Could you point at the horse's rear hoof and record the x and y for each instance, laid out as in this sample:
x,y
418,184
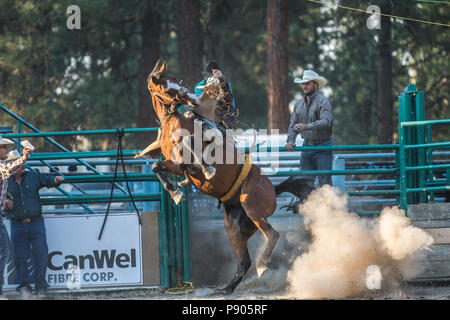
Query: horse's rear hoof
x,y
261,270
223,292
176,196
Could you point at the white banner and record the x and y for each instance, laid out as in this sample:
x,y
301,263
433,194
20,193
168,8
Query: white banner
x,y
77,259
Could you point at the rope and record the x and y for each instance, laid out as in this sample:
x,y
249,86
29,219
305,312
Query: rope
x,y
119,134
185,289
432,1
330,4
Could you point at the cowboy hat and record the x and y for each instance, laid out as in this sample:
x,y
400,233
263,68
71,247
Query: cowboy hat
x,y
209,68
4,141
13,155
309,75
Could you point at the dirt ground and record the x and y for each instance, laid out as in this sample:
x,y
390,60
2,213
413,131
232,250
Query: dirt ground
x,y
252,289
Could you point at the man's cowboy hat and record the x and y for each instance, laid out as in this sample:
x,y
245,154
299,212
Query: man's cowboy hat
x,y
309,75
13,155
207,72
4,141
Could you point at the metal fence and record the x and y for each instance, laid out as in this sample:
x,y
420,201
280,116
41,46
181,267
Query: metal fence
x,y
410,176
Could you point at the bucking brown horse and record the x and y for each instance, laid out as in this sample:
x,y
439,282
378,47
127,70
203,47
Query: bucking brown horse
x,y
247,194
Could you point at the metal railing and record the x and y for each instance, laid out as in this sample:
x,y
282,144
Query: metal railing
x,y
173,220
423,184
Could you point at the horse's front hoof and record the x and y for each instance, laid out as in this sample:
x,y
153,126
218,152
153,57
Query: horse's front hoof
x,y
176,196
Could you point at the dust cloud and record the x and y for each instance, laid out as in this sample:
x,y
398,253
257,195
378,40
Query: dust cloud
x,y
345,248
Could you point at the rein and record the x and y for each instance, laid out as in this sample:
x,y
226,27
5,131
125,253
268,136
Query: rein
x,y
165,99
171,112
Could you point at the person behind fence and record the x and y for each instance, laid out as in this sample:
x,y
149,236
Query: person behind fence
x,y
7,168
313,119
28,234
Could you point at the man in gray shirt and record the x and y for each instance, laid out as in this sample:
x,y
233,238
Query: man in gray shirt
x,y
313,118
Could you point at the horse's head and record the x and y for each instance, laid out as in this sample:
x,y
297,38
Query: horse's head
x,y
164,88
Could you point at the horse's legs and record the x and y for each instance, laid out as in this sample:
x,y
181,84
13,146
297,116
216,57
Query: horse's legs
x,y
239,229
259,201
271,236
169,167
208,170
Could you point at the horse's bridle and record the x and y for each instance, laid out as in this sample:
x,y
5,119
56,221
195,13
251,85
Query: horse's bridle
x,y
165,99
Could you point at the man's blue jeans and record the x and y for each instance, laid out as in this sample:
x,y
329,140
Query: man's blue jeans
x,y
30,237
4,250
318,160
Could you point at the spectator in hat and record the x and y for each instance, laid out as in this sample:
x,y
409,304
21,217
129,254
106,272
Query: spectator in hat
x,y
28,234
313,119
7,169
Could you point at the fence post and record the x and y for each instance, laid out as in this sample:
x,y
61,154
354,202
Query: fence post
x,y
405,114
402,168
430,160
163,245
338,180
177,240
150,187
185,237
167,240
405,157
421,153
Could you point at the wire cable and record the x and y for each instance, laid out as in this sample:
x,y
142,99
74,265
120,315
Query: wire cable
x,y
330,4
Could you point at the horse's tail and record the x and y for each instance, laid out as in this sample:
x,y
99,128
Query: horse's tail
x,y
296,185
301,187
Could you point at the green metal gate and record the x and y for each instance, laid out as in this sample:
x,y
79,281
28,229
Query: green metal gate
x,y
414,172
415,159
173,221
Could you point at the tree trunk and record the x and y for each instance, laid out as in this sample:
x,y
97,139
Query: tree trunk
x,y
189,43
150,53
209,48
385,100
277,65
